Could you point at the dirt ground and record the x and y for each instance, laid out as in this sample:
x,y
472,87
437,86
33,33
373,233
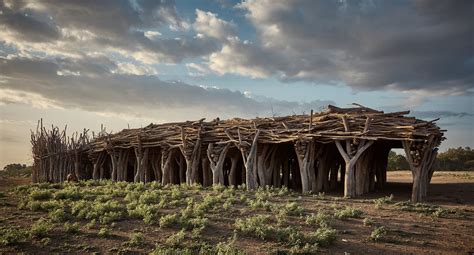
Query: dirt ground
x,y
408,231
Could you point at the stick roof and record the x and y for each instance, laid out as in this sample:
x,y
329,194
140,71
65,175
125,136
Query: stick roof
x,y
332,124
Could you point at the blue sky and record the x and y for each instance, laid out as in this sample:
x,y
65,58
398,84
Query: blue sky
x,y
131,62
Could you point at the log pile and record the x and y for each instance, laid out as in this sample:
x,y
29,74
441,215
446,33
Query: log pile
x,y
305,152
55,155
326,127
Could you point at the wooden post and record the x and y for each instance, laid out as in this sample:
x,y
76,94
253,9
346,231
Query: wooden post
x,y
266,162
234,160
97,164
305,152
420,157
349,182
216,161
179,176
206,177
286,172
249,158
192,156
167,155
156,165
324,166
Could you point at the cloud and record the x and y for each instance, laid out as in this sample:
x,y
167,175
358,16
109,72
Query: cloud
x,y
368,45
36,81
209,24
416,45
440,114
11,96
123,28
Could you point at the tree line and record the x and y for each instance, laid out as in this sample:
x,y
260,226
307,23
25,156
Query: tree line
x,y
454,159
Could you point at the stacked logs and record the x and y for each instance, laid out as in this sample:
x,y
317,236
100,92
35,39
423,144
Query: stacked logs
x,y
56,155
333,124
305,152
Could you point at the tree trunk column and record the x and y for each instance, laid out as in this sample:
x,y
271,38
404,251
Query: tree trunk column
x,y
216,155
266,162
167,155
249,157
234,160
305,152
191,152
420,157
350,157
206,172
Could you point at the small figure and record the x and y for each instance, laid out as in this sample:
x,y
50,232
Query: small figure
x,y
71,177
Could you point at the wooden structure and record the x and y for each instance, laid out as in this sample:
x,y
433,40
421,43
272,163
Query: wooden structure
x,y
311,153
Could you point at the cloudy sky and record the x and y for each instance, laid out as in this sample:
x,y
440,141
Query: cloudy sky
x,y
131,62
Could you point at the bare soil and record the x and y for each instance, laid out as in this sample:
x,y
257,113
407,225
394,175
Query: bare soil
x,y
408,232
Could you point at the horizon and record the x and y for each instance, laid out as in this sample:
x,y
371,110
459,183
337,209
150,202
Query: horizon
x,y
130,63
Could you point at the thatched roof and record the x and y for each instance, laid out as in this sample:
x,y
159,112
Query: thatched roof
x,y
325,127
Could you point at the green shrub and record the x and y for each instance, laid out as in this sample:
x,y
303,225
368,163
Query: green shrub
x,y
51,205
71,228
426,209
105,213
289,235
143,211
45,241
105,232
320,219
348,212
163,250
177,193
208,203
378,233
383,200
226,206
368,222
324,236
260,203
40,195
441,212
169,220
149,197
136,239
72,193
176,239
35,206
9,236
306,249
254,225
293,208
225,248
281,216
198,222
58,215
41,228
91,224
132,196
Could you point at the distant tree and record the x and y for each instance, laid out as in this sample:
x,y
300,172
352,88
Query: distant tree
x,y
14,167
397,162
455,159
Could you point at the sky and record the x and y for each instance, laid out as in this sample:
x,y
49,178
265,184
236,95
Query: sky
x,y
129,63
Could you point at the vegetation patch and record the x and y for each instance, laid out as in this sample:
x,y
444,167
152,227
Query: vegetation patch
x,y
10,235
347,212
426,209
378,233
41,228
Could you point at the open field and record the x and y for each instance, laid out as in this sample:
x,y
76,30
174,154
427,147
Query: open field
x,y
123,217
